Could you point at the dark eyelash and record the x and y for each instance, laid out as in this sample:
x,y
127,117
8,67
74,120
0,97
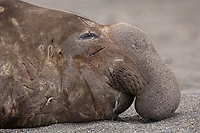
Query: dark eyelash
x,y
88,35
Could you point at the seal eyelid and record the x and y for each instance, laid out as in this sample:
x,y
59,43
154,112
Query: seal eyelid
x,y
88,35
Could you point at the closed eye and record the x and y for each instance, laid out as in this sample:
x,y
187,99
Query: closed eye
x,y
88,35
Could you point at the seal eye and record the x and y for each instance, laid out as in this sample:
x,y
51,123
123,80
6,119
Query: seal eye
x,y
88,35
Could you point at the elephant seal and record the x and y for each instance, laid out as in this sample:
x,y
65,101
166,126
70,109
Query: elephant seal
x,y
59,67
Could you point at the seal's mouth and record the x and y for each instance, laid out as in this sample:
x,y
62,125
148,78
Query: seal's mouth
x,y
93,52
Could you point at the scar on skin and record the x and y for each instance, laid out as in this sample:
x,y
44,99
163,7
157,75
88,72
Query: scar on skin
x,y
49,100
116,102
14,21
2,8
118,60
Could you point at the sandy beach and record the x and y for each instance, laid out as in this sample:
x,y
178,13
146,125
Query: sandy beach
x,y
174,27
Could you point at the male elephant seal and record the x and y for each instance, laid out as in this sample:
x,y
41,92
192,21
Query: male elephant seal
x,y
60,67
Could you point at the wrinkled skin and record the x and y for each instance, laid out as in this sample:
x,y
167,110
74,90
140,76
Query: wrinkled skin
x,y
59,67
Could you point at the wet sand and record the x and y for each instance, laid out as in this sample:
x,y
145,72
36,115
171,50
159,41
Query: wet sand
x,y
174,27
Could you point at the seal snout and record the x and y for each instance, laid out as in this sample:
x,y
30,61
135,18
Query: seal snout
x,y
160,95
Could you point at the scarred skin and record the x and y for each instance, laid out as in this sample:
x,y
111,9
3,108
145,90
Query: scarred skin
x,y
59,67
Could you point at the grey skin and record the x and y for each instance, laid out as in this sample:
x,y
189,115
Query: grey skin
x,y
59,67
